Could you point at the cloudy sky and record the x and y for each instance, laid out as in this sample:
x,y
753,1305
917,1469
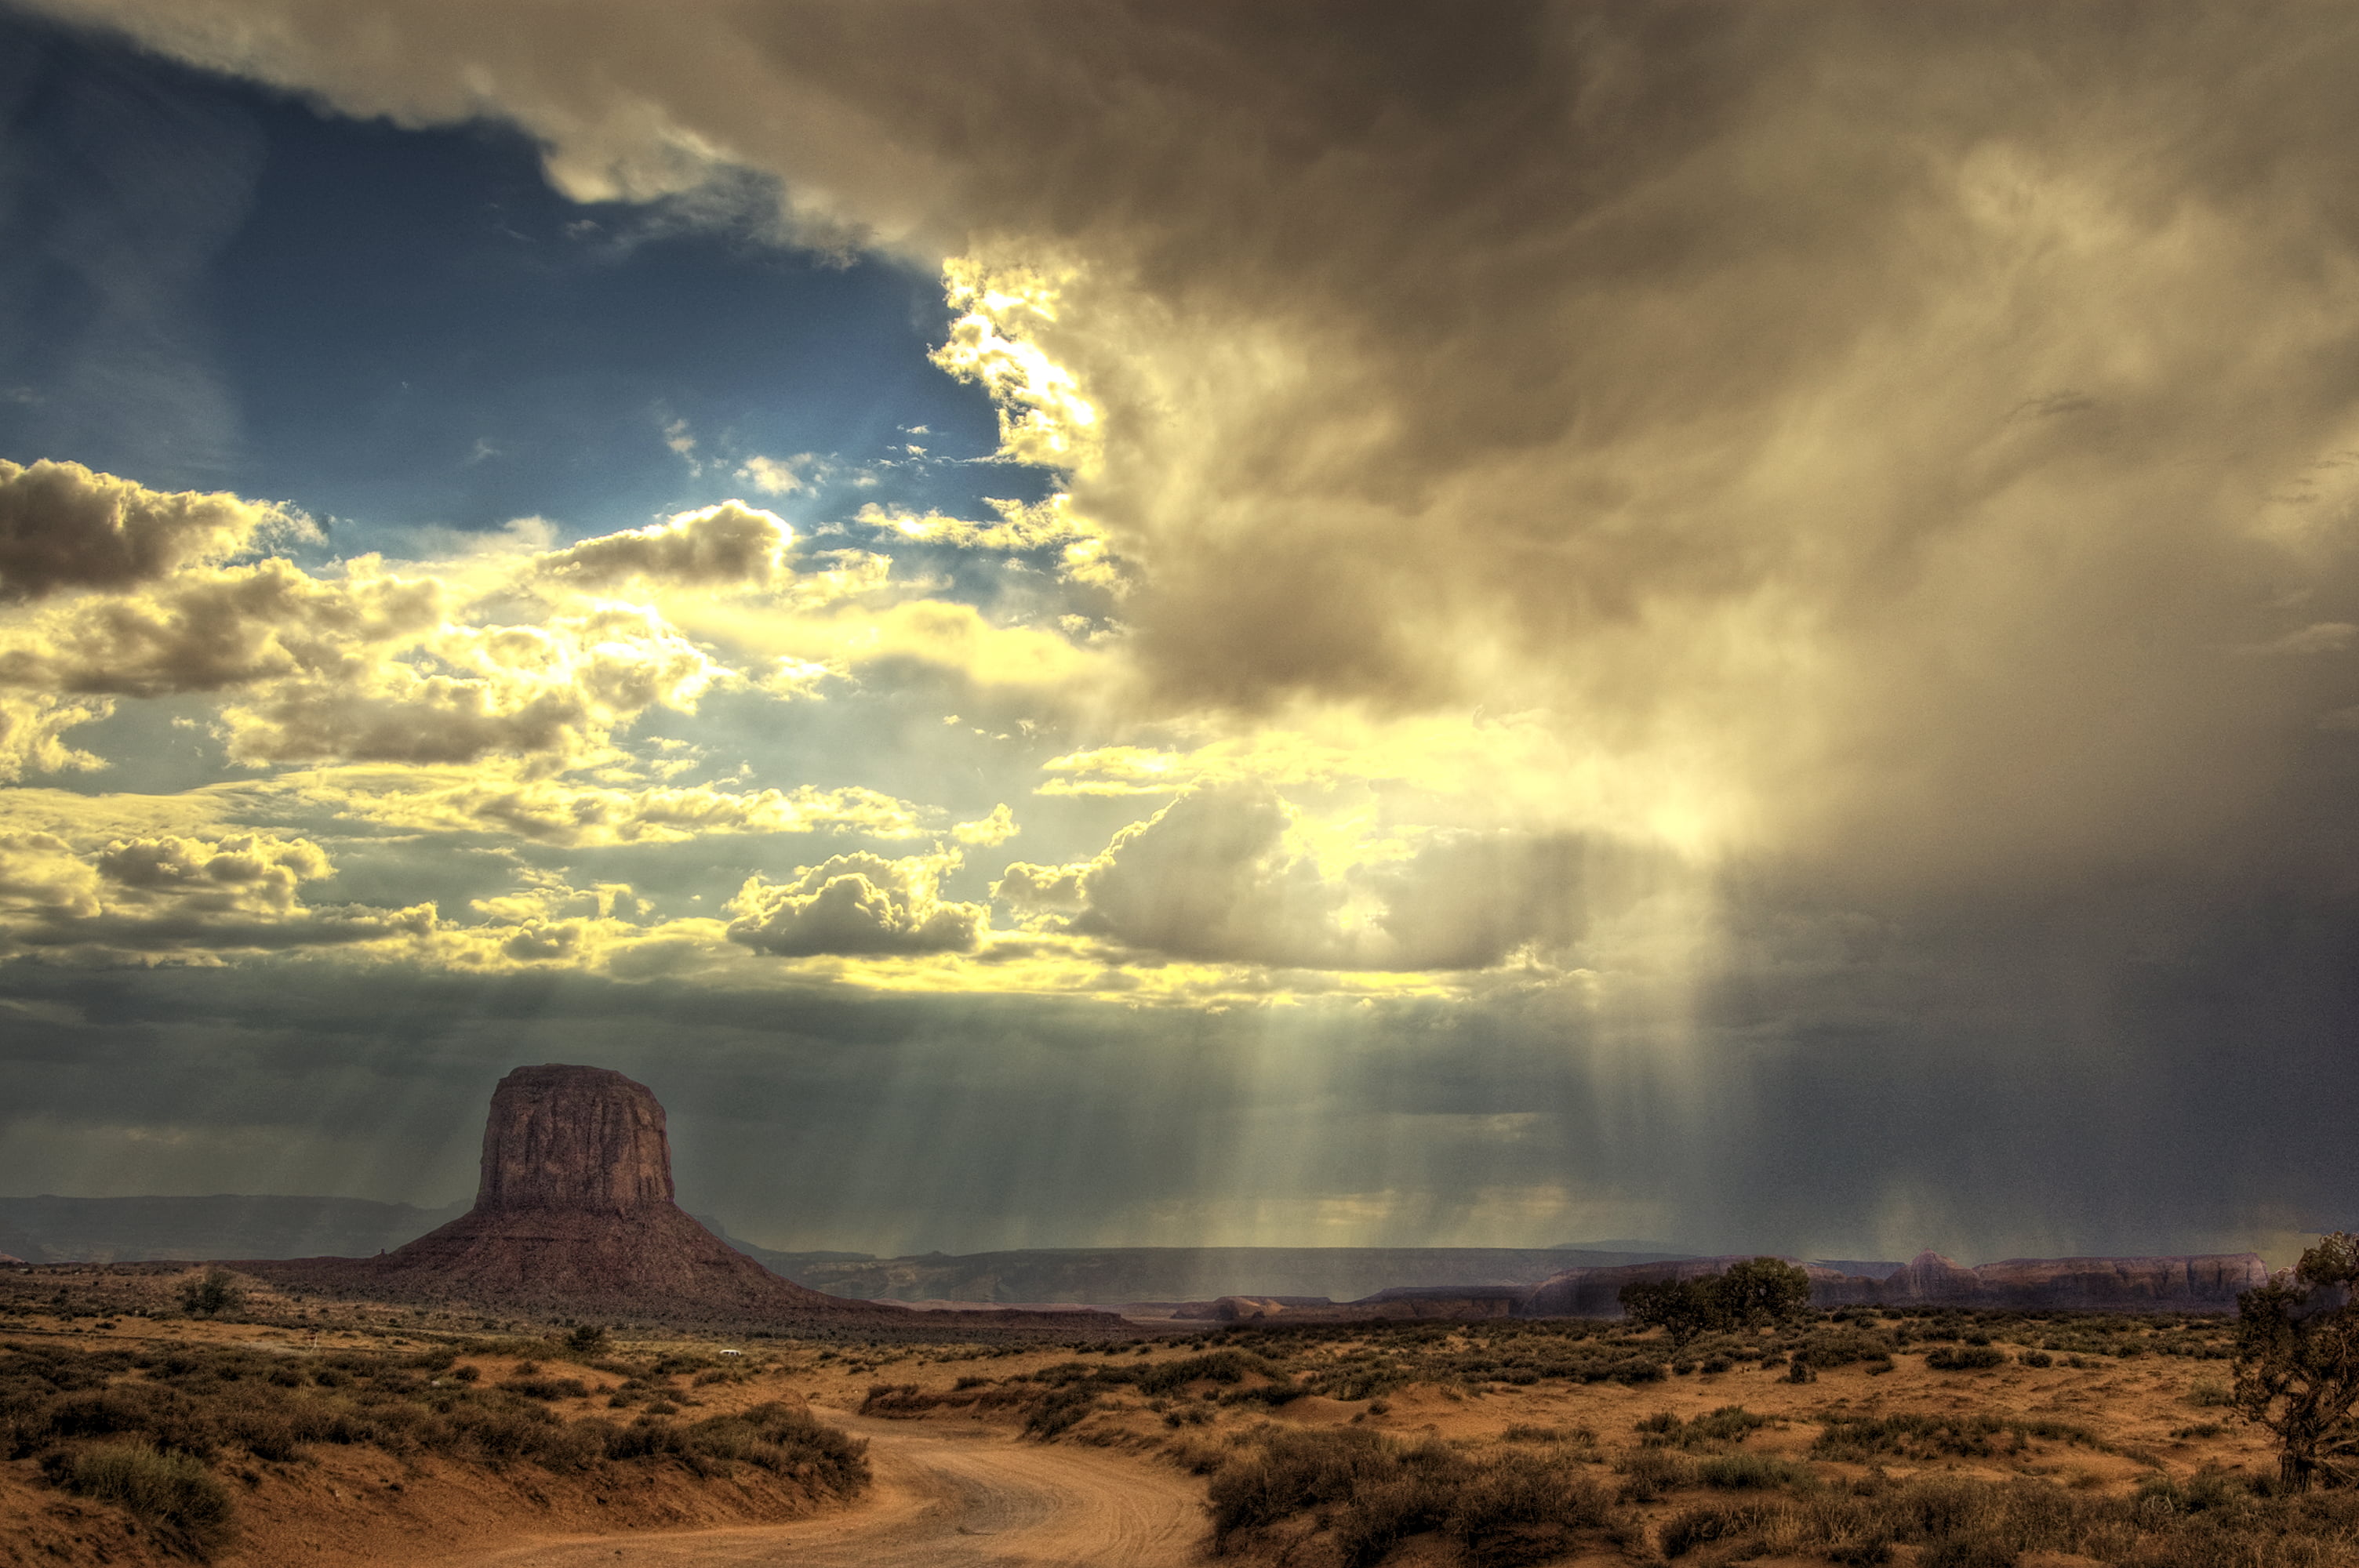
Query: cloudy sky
x,y
1119,623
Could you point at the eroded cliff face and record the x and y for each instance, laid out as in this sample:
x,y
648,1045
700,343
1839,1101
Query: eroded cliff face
x,y
582,1139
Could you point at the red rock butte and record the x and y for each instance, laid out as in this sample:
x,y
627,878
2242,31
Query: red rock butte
x,y
574,1216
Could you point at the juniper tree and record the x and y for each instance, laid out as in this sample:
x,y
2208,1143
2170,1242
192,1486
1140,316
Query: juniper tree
x,y
1680,1308
1760,1290
1764,1291
2298,1364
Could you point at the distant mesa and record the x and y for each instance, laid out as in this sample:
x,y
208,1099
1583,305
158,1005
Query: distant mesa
x,y
575,1214
2206,1284
1161,1277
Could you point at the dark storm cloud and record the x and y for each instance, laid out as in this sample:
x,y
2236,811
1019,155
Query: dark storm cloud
x,y
62,527
1220,874
1900,414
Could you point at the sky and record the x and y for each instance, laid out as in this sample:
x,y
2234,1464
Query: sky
x,y
1123,624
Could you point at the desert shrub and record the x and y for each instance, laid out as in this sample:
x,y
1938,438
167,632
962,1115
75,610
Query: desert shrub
x,y
1058,1412
646,1438
1844,1346
2036,1358
1170,1376
1740,1472
1517,1507
212,1293
497,1436
1728,1424
1965,1359
777,1437
165,1416
1969,1551
572,1445
1291,1471
2206,1491
1684,1531
589,1339
1648,1473
1523,1432
171,1493
2206,1523
2211,1393
1504,1509
898,1400
547,1387
1863,1438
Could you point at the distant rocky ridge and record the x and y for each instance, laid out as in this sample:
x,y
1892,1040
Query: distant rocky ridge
x,y
138,1229
2206,1284
575,1214
1121,1275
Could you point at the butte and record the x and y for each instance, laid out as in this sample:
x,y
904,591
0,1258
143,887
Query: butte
x,y
574,1216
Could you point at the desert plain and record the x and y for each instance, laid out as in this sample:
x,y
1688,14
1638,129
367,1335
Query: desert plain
x,y
346,1433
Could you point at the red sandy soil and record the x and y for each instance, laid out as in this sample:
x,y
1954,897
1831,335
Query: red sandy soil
x,y
957,1486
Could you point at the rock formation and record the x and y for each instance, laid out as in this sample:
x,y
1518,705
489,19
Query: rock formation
x,y
2209,1282
574,1216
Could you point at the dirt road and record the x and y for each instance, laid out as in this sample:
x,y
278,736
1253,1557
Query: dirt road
x,y
943,1499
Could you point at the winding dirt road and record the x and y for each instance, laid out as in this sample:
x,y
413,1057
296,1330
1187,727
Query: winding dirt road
x,y
943,1499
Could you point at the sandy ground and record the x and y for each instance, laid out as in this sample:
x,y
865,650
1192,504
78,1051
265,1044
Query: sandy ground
x,y
945,1495
961,1486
